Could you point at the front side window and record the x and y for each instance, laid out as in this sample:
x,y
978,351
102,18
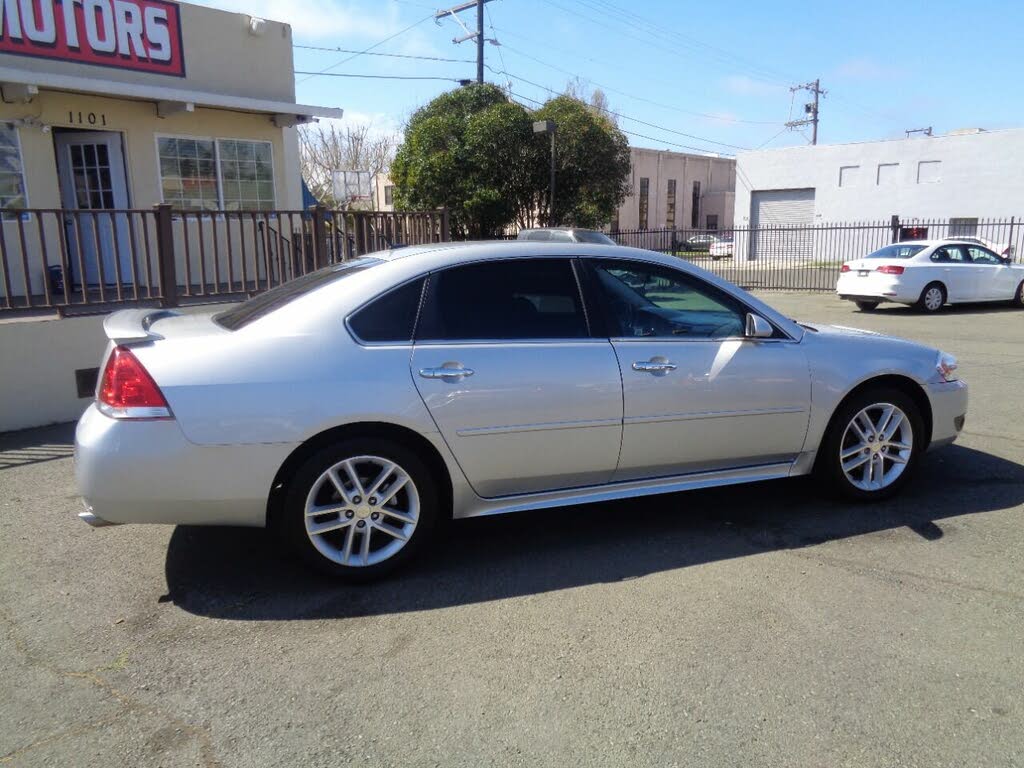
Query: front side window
x,y
12,173
648,300
221,174
494,300
390,317
983,255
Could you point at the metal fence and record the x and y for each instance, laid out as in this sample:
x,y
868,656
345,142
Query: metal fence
x,y
90,260
808,258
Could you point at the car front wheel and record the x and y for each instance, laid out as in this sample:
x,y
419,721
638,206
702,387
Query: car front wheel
x,y
872,445
1018,297
359,509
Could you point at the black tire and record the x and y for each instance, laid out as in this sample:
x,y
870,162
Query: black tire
x,y
867,306
293,517
829,467
1018,297
925,302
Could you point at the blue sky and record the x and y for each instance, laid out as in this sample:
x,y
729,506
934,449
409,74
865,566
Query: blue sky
x,y
716,72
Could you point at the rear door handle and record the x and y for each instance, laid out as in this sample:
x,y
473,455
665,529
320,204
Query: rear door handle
x,y
447,373
653,366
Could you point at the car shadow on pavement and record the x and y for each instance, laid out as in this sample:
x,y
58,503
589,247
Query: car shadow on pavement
x,y
241,573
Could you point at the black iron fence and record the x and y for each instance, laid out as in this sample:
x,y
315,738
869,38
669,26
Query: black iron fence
x,y
808,258
90,260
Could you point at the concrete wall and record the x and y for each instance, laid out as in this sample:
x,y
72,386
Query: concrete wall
x,y
715,174
978,176
39,359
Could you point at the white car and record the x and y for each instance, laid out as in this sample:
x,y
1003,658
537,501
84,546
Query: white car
x,y
720,249
929,274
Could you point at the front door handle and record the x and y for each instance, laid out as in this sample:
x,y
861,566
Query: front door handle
x,y
653,366
446,372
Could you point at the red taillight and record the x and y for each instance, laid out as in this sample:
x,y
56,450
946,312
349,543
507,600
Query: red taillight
x,y
844,268
890,269
127,391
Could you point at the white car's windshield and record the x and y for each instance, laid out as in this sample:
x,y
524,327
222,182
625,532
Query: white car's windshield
x,y
897,251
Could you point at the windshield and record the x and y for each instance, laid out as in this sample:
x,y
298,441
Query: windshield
x,y
897,251
249,311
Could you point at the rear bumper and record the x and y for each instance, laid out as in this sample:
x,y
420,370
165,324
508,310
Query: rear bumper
x,y
949,410
148,472
874,287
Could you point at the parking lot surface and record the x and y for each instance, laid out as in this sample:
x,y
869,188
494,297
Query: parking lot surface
x,y
760,625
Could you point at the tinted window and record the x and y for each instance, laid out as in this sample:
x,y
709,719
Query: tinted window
x,y
896,251
249,311
983,256
390,317
650,300
951,254
515,299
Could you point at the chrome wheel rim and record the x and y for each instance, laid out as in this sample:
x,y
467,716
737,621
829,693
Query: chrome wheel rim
x,y
876,447
362,511
933,298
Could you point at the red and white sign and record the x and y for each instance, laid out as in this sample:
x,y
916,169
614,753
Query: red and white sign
x,y
141,35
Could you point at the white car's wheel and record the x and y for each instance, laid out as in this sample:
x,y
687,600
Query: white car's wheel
x,y
933,298
867,306
360,508
872,444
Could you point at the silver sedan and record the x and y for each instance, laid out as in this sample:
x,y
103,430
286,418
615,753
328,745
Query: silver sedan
x,y
354,408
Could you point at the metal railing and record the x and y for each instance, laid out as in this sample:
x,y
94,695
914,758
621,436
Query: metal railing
x,y
808,258
88,260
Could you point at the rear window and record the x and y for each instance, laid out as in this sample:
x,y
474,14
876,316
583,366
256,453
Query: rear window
x,y
249,311
586,236
896,251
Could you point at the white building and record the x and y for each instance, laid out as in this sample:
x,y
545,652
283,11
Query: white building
x,y
956,179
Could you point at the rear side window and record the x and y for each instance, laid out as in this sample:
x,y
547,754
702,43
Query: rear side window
x,y
390,317
259,306
514,299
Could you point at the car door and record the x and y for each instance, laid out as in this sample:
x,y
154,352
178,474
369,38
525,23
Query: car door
x,y
952,266
996,279
526,399
697,394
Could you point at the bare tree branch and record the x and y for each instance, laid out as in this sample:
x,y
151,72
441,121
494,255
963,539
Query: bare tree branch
x,y
325,148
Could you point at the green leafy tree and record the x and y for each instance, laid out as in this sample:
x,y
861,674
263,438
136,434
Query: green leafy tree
x,y
474,152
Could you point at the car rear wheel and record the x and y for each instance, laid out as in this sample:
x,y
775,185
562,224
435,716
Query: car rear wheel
x,y
933,298
359,509
872,445
867,306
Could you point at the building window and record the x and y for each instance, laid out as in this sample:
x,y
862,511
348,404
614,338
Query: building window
x,y
963,227
929,171
695,209
389,194
246,175
207,175
712,221
645,187
887,174
615,222
849,175
188,173
670,205
12,173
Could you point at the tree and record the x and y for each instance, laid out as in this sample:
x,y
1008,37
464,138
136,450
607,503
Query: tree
x,y
325,148
596,99
474,152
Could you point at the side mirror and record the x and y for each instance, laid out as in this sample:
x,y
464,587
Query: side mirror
x,y
757,327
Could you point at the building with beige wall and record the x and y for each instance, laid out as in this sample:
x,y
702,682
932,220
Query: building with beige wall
x,y
127,104
675,190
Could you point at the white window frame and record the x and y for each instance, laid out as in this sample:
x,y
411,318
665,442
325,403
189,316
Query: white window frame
x,y
9,214
217,165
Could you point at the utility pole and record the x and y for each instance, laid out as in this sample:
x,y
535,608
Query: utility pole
x,y
810,109
478,35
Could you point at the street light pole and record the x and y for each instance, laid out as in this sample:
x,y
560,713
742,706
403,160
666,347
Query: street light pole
x,y
548,126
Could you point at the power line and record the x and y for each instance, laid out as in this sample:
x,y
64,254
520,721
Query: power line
x,y
368,49
381,53
381,77
626,117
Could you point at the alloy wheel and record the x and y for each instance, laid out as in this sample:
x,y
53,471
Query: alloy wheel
x,y
876,447
361,511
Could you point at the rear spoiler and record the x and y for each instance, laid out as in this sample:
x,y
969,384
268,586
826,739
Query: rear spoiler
x,y
129,325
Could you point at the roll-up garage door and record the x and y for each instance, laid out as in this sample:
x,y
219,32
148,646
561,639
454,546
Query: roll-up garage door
x,y
780,218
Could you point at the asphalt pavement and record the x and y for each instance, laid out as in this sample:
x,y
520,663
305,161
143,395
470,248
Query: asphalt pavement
x,y
762,625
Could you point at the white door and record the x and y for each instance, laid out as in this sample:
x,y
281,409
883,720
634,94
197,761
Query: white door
x,y
697,395
997,280
90,167
951,265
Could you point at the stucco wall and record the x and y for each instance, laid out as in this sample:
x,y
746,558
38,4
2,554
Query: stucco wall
x,y
39,359
978,177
